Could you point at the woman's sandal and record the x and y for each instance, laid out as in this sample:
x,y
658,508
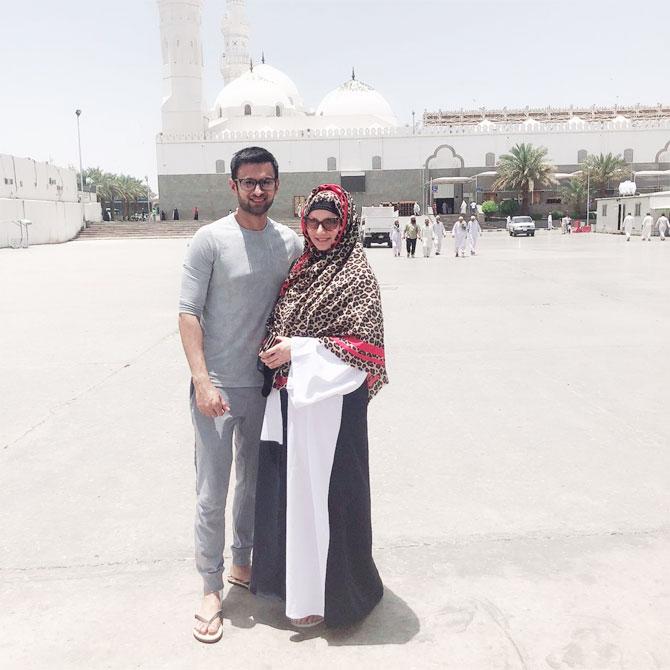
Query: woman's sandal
x,y
298,622
209,638
238,582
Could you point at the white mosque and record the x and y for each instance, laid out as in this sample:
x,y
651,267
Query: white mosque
x,y
354,138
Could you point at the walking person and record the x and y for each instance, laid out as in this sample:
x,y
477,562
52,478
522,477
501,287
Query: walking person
x,y
175,214
550,222
410,234
396,237
196,214
474,230
564,225
662,224
324,361
628,226
647,225
438,235
232,273
426,235
460,234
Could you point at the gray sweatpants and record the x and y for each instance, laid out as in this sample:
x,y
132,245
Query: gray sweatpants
x,y
213,459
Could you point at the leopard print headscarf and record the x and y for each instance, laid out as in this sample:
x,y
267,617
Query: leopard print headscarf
x,y
334,296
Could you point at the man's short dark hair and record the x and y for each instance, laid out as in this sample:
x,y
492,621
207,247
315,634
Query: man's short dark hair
x,y
252,155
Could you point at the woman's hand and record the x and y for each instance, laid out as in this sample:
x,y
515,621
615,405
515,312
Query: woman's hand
x,y
279,354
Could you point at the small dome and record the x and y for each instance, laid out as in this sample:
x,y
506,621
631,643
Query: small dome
x,y
621,120
575,121
354,98
252,89
282,80
486,123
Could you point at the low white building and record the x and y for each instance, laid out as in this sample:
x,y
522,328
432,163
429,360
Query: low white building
x,y
612,211
45,195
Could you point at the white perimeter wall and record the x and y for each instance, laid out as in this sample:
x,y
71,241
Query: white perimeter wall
x,y
46,195
400,149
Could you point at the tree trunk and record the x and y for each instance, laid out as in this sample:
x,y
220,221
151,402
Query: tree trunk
x,y
524,200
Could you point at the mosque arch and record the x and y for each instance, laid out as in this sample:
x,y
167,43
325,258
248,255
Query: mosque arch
x,y
454,156
581,155
628,155
376,162
331,163
663,155
490,159
247,110
220,166
277,110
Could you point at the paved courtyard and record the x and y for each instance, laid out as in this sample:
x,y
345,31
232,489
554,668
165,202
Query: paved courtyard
x,y
520,464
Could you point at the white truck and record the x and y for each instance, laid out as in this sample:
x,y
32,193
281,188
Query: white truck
x,y
376,224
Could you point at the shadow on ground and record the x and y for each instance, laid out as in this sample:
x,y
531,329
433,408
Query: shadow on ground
x,y
391,622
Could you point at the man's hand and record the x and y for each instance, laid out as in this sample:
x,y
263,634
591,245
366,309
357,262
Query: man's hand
x,y
209,400
279,354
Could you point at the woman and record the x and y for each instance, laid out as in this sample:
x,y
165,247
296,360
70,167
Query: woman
x,y
324,356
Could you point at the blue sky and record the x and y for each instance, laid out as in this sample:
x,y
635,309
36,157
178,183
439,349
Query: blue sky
x,y
104,57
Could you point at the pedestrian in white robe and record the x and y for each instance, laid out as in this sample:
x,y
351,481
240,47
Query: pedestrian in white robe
x,y
464,207
426,235
417,209
550,222
438,234
628,226
396,237
474,229
647,224
564,225
509,222
662,224
460,234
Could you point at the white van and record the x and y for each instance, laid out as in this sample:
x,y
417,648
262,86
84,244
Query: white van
x,y
376,224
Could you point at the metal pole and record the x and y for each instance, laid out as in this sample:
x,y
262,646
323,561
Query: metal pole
x,y
148,198
81,169
588,188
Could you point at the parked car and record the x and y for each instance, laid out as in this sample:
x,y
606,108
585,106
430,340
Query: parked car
x,y
522,225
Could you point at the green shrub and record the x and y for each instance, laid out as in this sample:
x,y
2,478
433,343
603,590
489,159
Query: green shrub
x,y
557,215
508,207
489,207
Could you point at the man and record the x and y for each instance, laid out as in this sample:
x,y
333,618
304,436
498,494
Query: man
x,y
233,270
647,224
460,234
550,222
474,229
628,226
410,234
426,237
663,224
438,234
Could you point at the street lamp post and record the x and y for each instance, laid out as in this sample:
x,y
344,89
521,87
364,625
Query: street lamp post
x,y
146,177
81,169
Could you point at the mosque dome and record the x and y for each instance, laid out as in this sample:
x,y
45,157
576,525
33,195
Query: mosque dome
x,y
356,99
283,81
252,94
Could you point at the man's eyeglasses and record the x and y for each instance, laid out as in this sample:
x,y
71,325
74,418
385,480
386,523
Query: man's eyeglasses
x,y
249,184
327,224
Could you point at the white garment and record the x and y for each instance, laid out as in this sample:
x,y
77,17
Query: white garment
x,y
417,209
647,224
426,239
550,222
628,225
396,237
460,234
317,381
663,224
474,229
438,234
464,207
509,222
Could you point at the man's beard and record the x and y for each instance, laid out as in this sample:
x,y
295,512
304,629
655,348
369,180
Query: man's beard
x,y
256,210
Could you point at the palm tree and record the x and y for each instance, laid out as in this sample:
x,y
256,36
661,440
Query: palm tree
x,y
602,169
574,195
522,169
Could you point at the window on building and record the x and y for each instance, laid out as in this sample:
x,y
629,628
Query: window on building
x,y
536,198
581,155
604,210
247,110
220,166
628,155
553,201
638,209
353,183
277,110
220,112
490,160
331,163
376,162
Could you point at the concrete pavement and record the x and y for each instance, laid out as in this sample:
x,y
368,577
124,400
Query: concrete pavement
x,y
519,462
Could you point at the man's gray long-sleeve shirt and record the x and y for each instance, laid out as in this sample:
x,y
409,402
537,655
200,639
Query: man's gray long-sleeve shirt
x,y
231,280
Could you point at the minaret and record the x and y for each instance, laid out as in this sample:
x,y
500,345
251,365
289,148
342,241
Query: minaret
x,y
235,29
181,47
